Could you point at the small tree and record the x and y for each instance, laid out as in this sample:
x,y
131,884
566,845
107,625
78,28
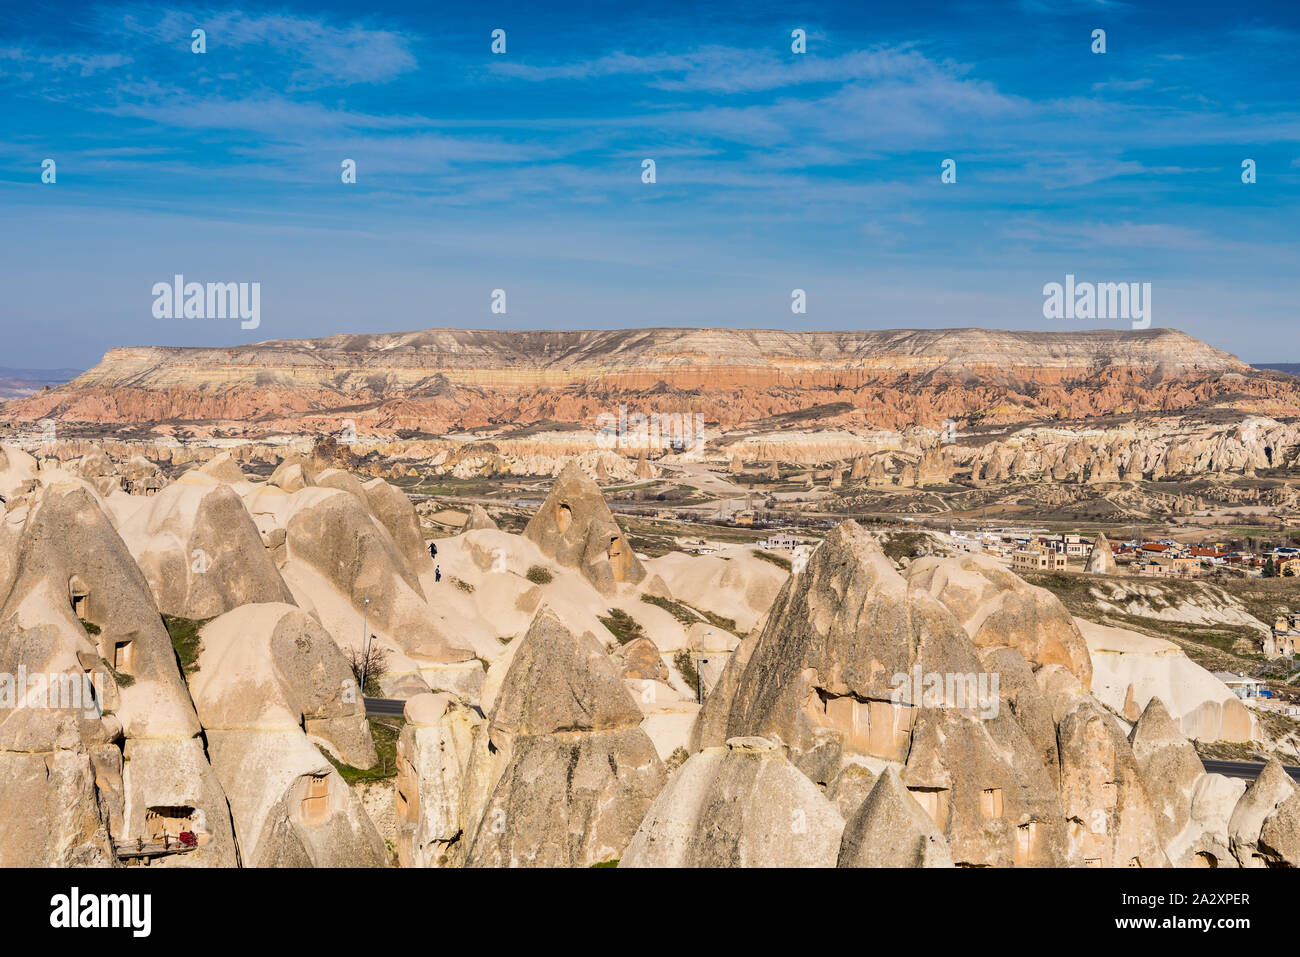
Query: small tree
x,y
373,663
1270,569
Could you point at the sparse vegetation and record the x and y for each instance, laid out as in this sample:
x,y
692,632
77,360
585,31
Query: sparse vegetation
x,y
90,626
373,662
679,611
539,575
777,560
385,732
122,680
622,625
184,633
463,585
676,759
717,621
685,665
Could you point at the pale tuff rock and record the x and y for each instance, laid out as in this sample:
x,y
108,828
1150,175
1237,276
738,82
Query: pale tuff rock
x,y
997,607
432,794
986,789
827,658
850,788
1263,797
333,535
270,683
640,659
68,563
579,773
743,805
1169,766
200,551
1109,819
272,667
1101,560
737,465
890,829
1023,700
1204,842
292,475
1279,838
478,519
396,514
734,583
224,469
575,527
1130,668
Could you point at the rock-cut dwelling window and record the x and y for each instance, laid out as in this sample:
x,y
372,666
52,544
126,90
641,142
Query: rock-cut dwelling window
x,y
316,799
1026,835
991,802
563,518
935,802
123,656
80,598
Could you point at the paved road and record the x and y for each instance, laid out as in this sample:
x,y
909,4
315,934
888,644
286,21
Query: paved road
x,y
384,707
1243,769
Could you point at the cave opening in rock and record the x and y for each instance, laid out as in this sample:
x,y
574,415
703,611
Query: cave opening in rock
x,y
168,821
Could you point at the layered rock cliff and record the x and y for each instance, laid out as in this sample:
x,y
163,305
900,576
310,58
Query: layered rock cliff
x,y
445,379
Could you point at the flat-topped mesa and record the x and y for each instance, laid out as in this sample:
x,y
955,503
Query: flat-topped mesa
x,y
441,379
576,528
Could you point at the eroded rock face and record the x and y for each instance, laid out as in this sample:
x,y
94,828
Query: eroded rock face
x,y
997,607
333,535
986,790
578,772
1169,767
890,829
1263,797
823,674
200,551
742,805
271,685
1279,838
139,766
1109,818
576,528
478,519
433,781
1101,560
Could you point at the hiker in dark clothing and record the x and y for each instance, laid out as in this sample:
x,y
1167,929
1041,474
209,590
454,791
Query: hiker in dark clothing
x,y
433,550
437,573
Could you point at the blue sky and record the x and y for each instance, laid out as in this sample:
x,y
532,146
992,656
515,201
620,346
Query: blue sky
x,y
522,171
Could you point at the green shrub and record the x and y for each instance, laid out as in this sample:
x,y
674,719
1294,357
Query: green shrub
x,y
622,625
676,609
184,633
539,575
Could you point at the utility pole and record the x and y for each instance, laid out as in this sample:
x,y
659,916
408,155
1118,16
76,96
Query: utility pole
x,y
701,661
365,646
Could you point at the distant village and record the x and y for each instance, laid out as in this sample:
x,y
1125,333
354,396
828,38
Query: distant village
x,y
1036,549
